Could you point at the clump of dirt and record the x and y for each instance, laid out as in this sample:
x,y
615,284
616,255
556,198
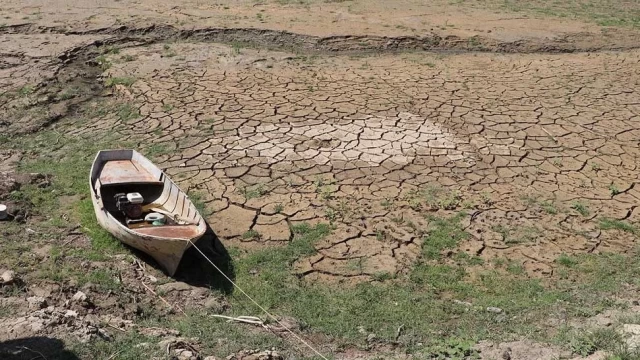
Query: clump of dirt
x,y
18,206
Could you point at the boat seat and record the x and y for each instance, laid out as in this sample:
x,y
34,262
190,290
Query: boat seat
x,y
125,172
170,231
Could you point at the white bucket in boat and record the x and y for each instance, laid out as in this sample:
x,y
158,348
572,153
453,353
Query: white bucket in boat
x,y
3,211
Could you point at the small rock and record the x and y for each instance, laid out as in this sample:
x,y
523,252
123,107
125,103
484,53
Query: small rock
x,y
37,302
183,354
174,286
8,277
633,335
214,305
79,297
463,303
496,310
371,338
152,279
506,355
210,358
70,314
635,302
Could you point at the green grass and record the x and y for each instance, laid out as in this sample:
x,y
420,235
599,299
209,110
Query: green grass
x,y
113,81
602,12
26,90
253,192
613,224
127,112
251,234
433,198
443,234
581,208
155,150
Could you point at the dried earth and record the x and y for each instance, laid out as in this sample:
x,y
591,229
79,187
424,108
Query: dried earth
x,y
276,115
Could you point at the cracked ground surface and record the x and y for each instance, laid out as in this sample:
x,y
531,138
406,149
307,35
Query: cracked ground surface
x,y
536,149
275,114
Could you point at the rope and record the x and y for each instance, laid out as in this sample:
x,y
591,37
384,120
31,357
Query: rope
x,y
258,305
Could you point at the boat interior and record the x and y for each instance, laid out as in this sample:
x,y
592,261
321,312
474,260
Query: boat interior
x,y
144,203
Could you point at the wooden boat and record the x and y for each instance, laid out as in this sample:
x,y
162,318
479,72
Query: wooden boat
x,y
118,175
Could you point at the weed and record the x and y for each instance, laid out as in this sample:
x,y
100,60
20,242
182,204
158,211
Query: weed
x,y
474,41
198,201
613,189
444,234
549,207
278,208
127,112
331,215
382,276
566,260
452,348
586,343
254,192
595,166
609,224
464,258
128,58
113,81
251,234
112,50
167,107
581,208
103,63
515,268
67,94
26,90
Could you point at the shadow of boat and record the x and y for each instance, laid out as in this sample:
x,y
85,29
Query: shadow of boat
x,y
195,270
35,348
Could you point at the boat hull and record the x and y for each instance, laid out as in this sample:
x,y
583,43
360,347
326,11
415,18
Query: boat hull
x,y
165,249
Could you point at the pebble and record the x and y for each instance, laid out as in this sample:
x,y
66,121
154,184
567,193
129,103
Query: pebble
x,y
79,297
37,302
174,286
371,338
8,277
496,310
70,314
463,303
214,305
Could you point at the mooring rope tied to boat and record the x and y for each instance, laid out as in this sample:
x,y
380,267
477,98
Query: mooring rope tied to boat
x,y
258,305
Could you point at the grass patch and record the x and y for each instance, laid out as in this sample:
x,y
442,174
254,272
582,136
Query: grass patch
x,y
254,192
433,198
113,81
127,112
581,208
444,234
26,90
613,224
157,149
602,12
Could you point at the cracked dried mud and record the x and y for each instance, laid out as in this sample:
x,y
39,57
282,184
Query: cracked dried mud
x,y
528,129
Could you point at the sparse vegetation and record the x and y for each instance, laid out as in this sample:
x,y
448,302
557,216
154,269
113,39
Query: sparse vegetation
x,y
251,234
581,208
113,81
253,192
613,224
127,112
278,208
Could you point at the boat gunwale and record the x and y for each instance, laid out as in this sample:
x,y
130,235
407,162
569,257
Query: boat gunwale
x,y
95,180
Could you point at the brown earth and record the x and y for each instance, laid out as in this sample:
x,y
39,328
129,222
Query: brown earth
x,y
291,122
